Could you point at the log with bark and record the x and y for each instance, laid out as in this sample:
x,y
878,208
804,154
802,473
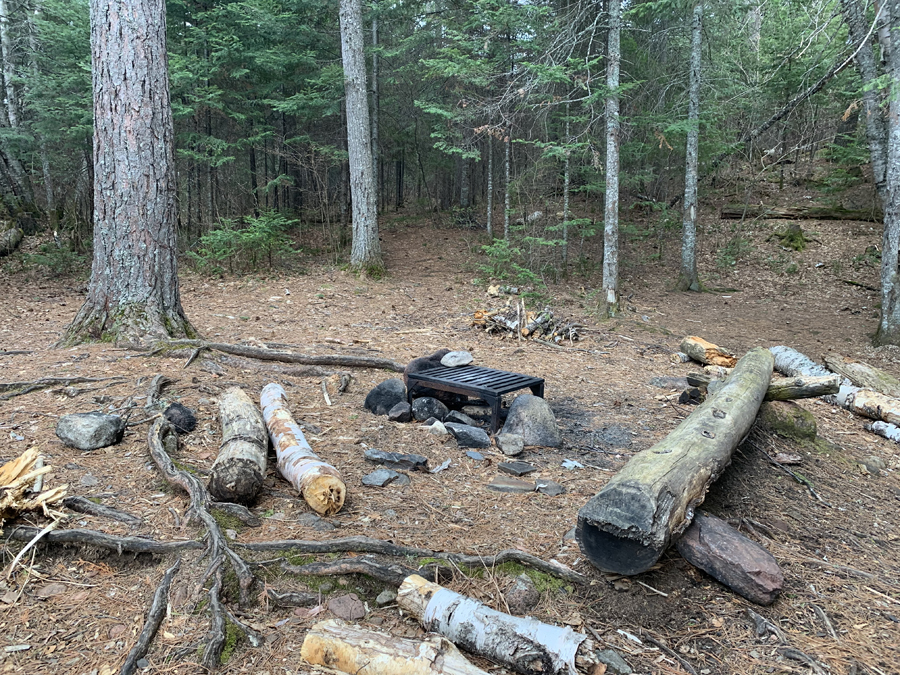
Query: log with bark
x,y
626,527
351,649
781,388
863,375
739,211
706,352
238,472
520,643
319,483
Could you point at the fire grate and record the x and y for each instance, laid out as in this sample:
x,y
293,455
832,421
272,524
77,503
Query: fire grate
x,y
484,383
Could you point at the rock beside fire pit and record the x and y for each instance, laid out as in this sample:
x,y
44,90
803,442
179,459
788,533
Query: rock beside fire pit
x,y
468,437
425,407
385,396
531,418
456,359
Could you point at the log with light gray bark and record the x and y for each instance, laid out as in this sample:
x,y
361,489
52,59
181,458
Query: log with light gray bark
x,y
781,388
863,375
626,527
238,472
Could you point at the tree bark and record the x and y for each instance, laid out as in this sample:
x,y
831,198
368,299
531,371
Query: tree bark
x,y
782,388
9,74
611,211
238,472
365,253
688,279
864,375
507,188
133,295
741,211
567,179
490,189
626,527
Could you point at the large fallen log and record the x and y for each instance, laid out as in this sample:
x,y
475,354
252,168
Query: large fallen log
x,y
781,388
238,472
706,352
626,527
521,643
739,211
863,375
351,649
320,484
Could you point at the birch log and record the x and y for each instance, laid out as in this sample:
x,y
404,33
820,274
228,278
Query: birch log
x,y
320,484
626,527
238,472
864,375
521,643
780,388
706,352
351,649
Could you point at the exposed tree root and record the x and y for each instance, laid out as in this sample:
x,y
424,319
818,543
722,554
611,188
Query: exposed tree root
x,y
390,574
102,540
10,390
154,619
346,361
82,505
292,598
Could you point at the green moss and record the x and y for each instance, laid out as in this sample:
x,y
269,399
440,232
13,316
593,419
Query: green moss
x,y
225,520
787,419
233,636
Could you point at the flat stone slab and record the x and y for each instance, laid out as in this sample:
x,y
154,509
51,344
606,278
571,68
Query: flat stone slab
x,y
459,418
380,477
550,488
510,485
516,468
90,431
477,456
510,444
397,460
468,437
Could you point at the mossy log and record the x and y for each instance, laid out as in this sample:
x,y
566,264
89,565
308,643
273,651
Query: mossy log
x,y
706,352
863,375
626,527
781,388
238,472
10,240
740,211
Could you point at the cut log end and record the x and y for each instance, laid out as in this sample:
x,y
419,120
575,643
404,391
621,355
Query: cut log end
x,y
610,553
238,481
325,494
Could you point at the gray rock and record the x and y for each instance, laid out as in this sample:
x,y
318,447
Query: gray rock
x,y
454,359
874,464
477,412
477,456
614,663
401,480
459,418
438,429
679,383
510,485
386,597
380,477
523,596
396,460
516,468
143,664
89,481
347,607
385,396
90,431
570,535
424,363
510,444
315,522
468,437
425,407
531,417
402,412
550,488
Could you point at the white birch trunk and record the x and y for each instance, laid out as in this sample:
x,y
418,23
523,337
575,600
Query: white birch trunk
x,y
611,212
365,253
490,188
688,279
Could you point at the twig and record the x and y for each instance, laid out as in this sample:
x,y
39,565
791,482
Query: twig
x,y
797,477
763,626
325,393
823,617
13,389
103,540
652,640
797,655
34,540
153,621
650,588
192,358
82,505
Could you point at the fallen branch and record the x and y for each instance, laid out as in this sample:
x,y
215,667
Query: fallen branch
x,y
389,574
739,211
102,540
12,389
863,375
782,388
282,356
82,505
154,619
706,352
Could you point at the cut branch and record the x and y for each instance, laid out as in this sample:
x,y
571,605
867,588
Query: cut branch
x,y
782,388
238,472
153,621
863,375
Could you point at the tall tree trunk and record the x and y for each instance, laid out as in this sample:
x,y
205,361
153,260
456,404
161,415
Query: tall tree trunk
x,y
490,188
688,279
365,253
567,179
464,183
379,187
611,213
133,292
6,52
506,187
42,143
22,197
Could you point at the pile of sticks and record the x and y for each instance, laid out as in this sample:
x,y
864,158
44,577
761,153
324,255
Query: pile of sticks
x,y
517,321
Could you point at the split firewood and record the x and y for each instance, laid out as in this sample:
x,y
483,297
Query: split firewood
x,y
517,322
238,472
706,352
351,649
626,527
780,388
319,483
17,477
521,643
863,375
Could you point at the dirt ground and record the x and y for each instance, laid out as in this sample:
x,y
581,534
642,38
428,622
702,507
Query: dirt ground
x,y
79,609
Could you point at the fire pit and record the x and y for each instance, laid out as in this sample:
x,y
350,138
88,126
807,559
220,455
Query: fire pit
x,y
484,383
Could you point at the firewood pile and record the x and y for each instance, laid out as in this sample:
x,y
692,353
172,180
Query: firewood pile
x,y
517,322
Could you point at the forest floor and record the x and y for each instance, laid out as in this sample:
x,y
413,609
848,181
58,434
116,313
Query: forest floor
x,y
79,609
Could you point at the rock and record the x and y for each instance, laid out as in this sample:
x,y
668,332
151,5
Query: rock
x,y
516,468
469,437
385,396
90,431
459,418
874,465
424,363
315,522
438,429
347,607
455,359
477,456
386,597
523,596
480,413
693,395
531,417
425,407
570,535
401,480
181,417
143,664
787,419
89,481
396,460
550,488
402,412
615,664
572,465
380,477
510,485
731,558
510,444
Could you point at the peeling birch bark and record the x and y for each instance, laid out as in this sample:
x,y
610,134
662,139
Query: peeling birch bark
x,y
319,483
238,472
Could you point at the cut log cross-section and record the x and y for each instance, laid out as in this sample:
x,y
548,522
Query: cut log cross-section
x,y
626,527
706,352
238,472
319,483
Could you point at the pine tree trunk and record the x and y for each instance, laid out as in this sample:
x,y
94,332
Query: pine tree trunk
x,y
567,178
375,153
42,143
15,174
6,52
464,184
611,212
490,189
133,292
506,194
365,254
688,279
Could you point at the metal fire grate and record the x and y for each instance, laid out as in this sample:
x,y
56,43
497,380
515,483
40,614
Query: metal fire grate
x,y
484,383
